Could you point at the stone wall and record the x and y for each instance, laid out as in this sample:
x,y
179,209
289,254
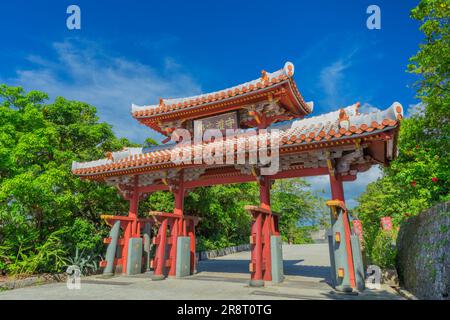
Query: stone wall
x,y
319,236
205,255
423,258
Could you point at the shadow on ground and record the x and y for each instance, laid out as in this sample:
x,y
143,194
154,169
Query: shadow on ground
x,y
291,268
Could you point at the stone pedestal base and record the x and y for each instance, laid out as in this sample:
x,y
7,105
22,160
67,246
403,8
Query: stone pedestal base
x,y
256,283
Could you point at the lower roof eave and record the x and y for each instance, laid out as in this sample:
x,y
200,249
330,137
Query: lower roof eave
x,y
284,149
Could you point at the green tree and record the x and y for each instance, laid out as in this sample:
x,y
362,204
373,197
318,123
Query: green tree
x,y
38,193
150,142
432,65
300,210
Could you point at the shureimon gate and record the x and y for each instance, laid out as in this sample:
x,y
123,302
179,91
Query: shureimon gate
x,y
234,130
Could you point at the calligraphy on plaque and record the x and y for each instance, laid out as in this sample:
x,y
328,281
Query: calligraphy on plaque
x,y
221,122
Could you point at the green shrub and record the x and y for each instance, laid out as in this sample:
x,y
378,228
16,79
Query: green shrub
x,y
23,253
221,242
384,252
298,235
49,256
88,262
85,236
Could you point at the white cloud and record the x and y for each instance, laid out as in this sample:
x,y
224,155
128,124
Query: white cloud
x,y
417,109
331,78
336,80
352,189
84,71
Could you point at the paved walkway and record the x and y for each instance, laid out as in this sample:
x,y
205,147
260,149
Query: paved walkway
x,y
306,268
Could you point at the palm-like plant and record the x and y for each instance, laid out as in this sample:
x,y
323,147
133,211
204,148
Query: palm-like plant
x,y
87,263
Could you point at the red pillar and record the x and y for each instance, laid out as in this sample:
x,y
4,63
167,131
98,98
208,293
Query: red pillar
x,y
337,188
131,229
160,256
264,192
179,197
267,259
133,213
191,234
174,231
337,193
264,189
256,272
126,239
177,226
260,234
179,201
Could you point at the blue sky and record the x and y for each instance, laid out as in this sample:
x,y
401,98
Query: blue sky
x,y
137,51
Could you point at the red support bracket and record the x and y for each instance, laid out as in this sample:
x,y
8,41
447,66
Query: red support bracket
x,y
263,227
179,225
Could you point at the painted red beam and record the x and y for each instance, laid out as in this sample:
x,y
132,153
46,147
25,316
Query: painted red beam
x,y
257,209
172,215
348,178
153,188
297,173
219,180
214,180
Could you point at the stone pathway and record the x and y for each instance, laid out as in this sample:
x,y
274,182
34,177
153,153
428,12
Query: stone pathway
x,y
226,278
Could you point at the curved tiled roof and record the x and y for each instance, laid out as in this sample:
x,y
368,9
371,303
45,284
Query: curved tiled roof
x,y
343,123
331,125
265,81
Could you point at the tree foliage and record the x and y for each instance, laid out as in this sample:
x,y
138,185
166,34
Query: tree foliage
x,y
418,178
300,210
39,197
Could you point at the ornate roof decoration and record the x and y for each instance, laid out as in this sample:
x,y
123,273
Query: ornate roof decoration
x,y
152,115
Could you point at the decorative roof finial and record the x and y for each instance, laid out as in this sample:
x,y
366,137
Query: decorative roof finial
x,y
289,69
161,102
264,76
357,106
344,119
342,115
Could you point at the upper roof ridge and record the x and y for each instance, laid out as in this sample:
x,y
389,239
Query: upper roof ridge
x,y
266,77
